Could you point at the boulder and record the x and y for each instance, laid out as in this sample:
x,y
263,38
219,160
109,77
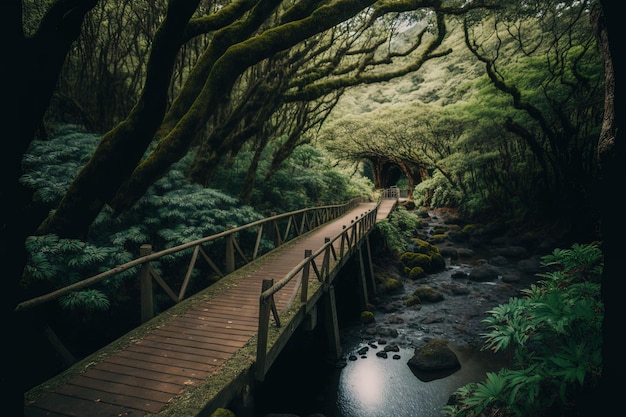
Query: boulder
x,y
434,360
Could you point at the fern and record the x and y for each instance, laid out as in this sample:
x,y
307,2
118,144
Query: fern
x,y
555,332
87,300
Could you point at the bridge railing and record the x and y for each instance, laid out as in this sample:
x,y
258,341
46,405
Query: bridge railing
x,y
237,252
321,264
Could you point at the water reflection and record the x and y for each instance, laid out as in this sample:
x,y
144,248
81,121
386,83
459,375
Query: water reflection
x,y
379,387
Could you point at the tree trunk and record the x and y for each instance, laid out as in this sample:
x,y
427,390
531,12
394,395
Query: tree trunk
x,y
612,157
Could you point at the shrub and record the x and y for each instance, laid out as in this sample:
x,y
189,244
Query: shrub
x,y
554,336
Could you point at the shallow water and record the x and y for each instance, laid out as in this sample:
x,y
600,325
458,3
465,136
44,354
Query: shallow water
x,y
374,387
301,383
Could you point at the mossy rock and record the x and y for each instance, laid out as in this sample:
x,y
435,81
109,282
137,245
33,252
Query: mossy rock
x,y
421,246
412,301
222,412
388,283
439,237
367,317
437,263
417,272
470,229
391,285
440,230
413,259
429,294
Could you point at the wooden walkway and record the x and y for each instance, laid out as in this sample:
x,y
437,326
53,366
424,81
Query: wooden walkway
x,y
145,371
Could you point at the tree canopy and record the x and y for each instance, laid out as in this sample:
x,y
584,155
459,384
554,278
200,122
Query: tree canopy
x,y
165,80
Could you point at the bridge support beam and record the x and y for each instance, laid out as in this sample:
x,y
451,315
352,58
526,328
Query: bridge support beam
x,y
331,323
370,267
362,286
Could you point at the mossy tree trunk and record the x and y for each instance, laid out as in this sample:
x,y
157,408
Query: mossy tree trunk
x,y
612,156
30,67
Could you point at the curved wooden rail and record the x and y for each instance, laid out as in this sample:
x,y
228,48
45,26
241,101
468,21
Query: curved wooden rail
x,y
335,250
278,229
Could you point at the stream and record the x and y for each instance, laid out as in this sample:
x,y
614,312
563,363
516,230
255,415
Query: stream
x,y
366,383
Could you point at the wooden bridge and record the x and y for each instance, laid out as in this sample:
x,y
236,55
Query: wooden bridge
x,y
206,350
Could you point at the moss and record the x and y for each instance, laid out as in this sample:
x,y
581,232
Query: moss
x,y
417,272
440,230
413,259
413,300
421,246
222,412
428,294
367,317
390,284
437,262
439,237
434,346
468,229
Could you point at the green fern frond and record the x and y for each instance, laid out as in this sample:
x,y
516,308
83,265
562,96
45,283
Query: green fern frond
x,y
87,300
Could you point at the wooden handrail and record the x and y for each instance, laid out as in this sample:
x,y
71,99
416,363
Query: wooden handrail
x,y
330,212
349,239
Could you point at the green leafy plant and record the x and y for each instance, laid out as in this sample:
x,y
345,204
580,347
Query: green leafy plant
x,y
554,335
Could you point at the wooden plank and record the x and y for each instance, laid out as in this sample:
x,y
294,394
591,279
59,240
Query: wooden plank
x,y
204,326
246,316
173,349
210,340
77,407
199,346
157,351
97,396
221,322
124,389
132,381
164,365
205,332
163,376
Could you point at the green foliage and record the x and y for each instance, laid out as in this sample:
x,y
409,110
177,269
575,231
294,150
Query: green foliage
x,y
554,334
397,229
51,165
173,212
486,152
87,300
308,177
56,263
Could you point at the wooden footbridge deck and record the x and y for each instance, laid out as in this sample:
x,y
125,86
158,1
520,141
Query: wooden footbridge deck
x,y
204,352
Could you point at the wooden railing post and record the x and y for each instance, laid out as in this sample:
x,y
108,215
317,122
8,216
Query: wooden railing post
x,y
326,262
147,297
263,331
230,252
304,293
